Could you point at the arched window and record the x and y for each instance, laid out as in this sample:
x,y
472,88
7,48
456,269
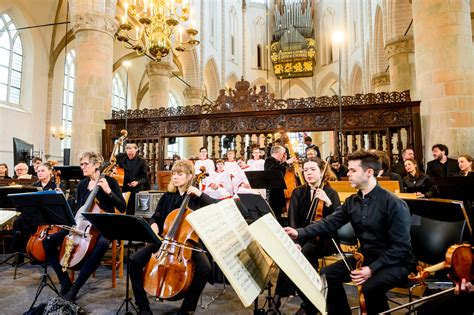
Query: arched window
x,y
175,145
11,61
68,97
119,93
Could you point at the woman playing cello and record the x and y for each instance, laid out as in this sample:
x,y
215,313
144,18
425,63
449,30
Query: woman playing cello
x,y
109,198
182,175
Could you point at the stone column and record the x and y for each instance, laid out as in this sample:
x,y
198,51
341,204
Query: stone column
x,y
381,82
192,95
445,74
401,58
159,76
94,27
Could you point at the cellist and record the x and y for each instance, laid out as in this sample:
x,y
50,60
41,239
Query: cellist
x,y
179,186
298,216
109,198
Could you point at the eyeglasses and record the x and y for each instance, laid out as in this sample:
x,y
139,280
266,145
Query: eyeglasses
x,y
84,164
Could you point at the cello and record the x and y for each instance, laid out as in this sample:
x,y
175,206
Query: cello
x,y
458,259
34,247
169,273
83,237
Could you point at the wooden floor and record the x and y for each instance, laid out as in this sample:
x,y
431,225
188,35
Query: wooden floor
x,y
98,297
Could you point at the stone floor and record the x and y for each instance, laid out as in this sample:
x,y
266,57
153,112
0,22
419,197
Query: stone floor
x,y
98,296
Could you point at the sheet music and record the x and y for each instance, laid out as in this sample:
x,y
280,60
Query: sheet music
x,y
225,233
6,215
271,236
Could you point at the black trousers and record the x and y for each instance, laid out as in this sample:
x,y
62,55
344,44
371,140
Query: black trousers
x,y
374,288
202,272
52,245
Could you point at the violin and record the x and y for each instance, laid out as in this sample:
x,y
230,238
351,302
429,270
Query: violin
x,y
170,271
458,259
34,247
82,238
359,262
317,206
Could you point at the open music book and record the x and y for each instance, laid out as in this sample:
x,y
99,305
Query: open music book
x,y
242,252
6,215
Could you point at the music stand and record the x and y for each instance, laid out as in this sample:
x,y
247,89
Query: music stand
x,y
123,227
70,173
271,179
44,208
255,205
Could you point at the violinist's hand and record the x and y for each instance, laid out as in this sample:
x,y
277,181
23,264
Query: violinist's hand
x,y
194,191
214,186
419,195
361,275
291,232
133,184
291,160
464,286
321,195
104,185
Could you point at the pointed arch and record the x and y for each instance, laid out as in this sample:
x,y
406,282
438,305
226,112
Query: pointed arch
x,y
211,79
291,87
261,81
356,80
327,86
380,58
230,80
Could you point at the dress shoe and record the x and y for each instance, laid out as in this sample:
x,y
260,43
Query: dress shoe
x,y
144,310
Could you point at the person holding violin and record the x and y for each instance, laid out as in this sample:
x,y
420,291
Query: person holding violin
x,y
178,188
381,222
136,173
277,162
109,198
304,209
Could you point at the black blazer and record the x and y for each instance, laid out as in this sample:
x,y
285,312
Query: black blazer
x,y
135,170
436,169
277,196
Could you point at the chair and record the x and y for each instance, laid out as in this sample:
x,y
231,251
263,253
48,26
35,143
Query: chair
x,y
163,179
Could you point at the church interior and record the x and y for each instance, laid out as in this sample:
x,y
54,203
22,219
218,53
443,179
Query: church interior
x,y
218,81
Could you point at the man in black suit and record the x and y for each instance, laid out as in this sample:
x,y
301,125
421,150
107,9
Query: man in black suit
x,y
309,145
136,173
441,166
277,162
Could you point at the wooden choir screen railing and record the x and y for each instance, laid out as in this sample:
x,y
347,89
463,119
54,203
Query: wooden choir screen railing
x,y
385,121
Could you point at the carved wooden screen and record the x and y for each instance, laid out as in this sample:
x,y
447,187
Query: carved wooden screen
x,y
369,120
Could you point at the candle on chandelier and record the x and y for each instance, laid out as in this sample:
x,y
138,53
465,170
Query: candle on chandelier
x,y
180,34
126,11
137,30
145,5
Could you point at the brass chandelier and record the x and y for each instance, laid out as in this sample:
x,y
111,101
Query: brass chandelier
x,y
150,27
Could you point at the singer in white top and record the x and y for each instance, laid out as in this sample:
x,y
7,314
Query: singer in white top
x,y
207,163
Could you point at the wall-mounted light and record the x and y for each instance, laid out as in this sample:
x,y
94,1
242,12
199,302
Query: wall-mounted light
x,y
58,133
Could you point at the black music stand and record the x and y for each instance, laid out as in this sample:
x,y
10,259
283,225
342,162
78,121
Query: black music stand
x,y
123,227
254,205
271,179
70,173
44,208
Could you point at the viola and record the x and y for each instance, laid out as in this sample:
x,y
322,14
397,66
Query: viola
x,y
359,262
34,247
317,206
82,238
170,271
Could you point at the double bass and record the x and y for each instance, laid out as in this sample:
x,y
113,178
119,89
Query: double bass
x,y
170,271
295,178
82,238
34,247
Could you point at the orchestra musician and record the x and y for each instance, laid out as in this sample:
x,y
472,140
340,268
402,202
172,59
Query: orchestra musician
x,y
277,161
465,165
381,222
109,198
21,229
298,217
182,175
136,173
4,171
